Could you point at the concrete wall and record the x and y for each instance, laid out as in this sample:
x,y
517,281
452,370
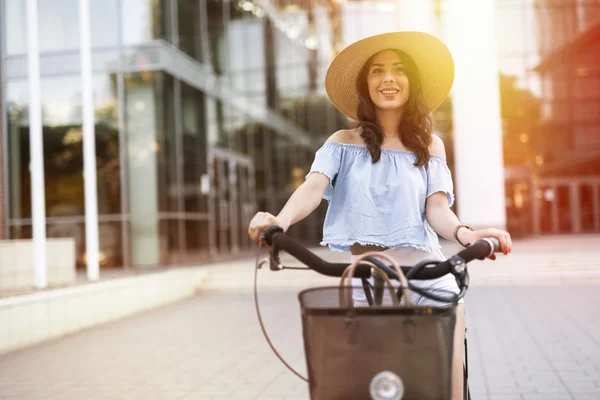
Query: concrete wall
x,y
17,262
37,317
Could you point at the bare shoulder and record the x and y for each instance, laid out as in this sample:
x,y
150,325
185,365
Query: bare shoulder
x,y
437,146
345,136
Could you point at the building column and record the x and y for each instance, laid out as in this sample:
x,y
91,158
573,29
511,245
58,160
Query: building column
x,y
36,148
536,206
417,16
142,115
575,207
596,205
555,211
2,165
89,146
479,171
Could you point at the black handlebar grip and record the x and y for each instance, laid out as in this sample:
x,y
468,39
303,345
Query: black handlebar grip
x,y
302,254
267,234
481,249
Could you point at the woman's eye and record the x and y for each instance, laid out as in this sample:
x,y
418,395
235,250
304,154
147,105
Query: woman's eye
x,y
400,70
376,71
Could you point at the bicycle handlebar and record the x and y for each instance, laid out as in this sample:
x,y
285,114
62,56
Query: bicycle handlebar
x,y
278,240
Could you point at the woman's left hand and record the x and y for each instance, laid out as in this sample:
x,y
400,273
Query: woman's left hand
x,y
468,236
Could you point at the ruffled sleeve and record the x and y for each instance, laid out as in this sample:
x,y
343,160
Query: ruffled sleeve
x,y
327,161
439,178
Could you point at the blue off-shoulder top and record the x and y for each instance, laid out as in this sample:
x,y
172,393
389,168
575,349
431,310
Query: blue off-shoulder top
x,y
380,203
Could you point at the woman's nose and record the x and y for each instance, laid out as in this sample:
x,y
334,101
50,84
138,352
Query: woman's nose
x,y
388,77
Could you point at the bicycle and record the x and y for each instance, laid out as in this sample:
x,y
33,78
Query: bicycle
x,y
390,348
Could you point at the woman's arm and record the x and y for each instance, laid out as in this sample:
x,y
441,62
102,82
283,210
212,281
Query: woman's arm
x,y
444,221
304,200
301,203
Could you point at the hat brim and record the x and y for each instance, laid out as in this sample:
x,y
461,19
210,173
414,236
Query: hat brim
x,y
431,56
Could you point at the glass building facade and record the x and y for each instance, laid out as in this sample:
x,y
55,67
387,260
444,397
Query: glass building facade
x,y
209,110
549,59
205,112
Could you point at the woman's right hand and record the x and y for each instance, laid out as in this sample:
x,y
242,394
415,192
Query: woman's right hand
x,y
260,222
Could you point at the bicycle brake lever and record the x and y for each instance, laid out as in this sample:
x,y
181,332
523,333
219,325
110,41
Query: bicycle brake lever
x,y
261,262
274,262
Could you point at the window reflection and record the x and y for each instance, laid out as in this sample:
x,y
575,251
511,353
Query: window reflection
x,y
194,168
151,158
106,113
145,20
189,31
17,104
58,25
161,223
104,23
194,149
15,21
142,136
214,120
216,33
63,159
63,152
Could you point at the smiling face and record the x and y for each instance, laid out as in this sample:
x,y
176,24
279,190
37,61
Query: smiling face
x,y
387,81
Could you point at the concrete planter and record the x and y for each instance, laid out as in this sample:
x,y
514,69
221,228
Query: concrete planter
x,y
17,268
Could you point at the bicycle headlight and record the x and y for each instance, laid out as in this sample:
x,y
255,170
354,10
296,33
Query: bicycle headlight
x,y
386,386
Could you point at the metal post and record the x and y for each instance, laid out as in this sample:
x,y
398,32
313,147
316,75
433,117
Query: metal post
x,y
3,144
535,205
234,223
36,149
89,145
123,154
179,170
555,210
574,208
596,205
213,222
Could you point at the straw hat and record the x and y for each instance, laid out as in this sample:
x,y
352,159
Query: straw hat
x,y
432,57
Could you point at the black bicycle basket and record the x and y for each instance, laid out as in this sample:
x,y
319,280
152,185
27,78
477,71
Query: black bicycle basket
x,y
347,343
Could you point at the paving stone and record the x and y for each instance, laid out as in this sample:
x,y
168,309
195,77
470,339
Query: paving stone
x,y
526,342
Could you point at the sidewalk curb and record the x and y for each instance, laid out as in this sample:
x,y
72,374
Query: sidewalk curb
x,y
37,317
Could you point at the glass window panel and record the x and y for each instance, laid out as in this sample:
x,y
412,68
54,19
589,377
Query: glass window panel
x,y
166,149
216,33
108,164
58,25
105,60
14,24
151,163
17,105
246,58
213,120
196,241
236,130
194,147
188,20
109,241
145,20
63,150
104,23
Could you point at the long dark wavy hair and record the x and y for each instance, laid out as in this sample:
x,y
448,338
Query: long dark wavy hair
x,y
416,125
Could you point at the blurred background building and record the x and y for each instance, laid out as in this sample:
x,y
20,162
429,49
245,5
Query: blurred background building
x,y
209,110
550,89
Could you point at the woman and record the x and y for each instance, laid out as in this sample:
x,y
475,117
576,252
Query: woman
x,y
387,182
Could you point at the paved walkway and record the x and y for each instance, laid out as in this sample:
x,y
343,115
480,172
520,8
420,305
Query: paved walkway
x,y
535,340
